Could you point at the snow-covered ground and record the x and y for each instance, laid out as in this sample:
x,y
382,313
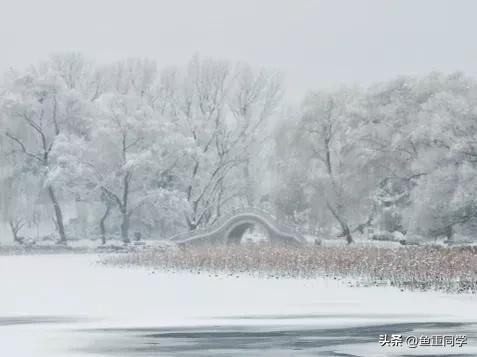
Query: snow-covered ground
x,y
68,305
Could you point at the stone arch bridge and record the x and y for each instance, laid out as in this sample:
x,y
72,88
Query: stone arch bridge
x,y
230,229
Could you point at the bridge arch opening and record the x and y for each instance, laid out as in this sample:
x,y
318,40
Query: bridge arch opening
x,y
248,232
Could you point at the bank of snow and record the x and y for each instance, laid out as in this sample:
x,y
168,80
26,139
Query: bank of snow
x,y
75,286
66,285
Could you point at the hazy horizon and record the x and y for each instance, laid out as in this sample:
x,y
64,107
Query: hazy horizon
x,y
316,44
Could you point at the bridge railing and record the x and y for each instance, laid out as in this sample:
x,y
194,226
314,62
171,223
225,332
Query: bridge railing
x,y
267,215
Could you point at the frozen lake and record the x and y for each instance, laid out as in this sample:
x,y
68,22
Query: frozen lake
x,y
68,305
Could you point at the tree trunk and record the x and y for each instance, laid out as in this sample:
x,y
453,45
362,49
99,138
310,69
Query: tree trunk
x,y
125,227
346,232
15,228
124,208
14,232
450,232
58,214
102,226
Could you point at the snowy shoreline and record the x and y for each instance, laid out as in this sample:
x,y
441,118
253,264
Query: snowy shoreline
x,y
418,268
109,298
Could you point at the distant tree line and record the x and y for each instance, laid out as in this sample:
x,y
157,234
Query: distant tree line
x,y
399,157
164,150
146,144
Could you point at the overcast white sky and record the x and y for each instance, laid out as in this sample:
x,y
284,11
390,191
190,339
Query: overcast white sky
x,y
315,43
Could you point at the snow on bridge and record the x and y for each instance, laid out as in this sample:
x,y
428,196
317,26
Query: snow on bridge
x,y
230,229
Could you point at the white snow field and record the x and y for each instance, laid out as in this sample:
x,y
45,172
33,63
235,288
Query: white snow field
x,y
68,305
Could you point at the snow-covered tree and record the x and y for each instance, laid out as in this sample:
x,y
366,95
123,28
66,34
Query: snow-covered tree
x,y
39,106
223,111
328,136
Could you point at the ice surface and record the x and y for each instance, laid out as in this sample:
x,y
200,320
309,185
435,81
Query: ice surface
x,y
44,298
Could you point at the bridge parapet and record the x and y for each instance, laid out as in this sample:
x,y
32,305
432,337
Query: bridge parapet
x,y
266,215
